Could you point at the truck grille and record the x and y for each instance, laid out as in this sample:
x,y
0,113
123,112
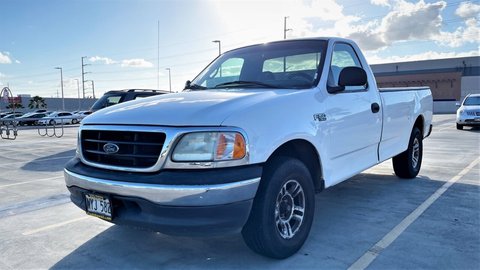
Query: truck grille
x,y
126,148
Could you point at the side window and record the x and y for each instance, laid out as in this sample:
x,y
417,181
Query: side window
x,y
343,56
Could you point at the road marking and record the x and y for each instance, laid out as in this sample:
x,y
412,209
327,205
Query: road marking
x,y
33,161
369,256
33,181
53,226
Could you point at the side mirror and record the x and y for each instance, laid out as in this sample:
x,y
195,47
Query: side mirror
x,y
457,104
352,76
349,76
187,84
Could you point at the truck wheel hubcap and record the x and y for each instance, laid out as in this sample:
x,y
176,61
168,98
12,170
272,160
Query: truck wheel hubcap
x,y
415,152
289,209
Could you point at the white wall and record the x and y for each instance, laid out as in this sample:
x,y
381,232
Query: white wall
x,y
470,85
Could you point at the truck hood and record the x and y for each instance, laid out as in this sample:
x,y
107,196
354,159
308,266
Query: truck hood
x,y
196,108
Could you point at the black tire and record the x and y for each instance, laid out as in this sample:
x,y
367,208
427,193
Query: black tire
x,y
262,232
74,121
408,164
459,127
52,122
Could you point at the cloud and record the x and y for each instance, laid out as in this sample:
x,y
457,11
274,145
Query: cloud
x,y
410,21
18,61
5,58
384,3
467,10
375,59
461,35
2,75
105,60
138,62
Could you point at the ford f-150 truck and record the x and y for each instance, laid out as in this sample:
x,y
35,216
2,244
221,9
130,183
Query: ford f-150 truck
x,y
247,144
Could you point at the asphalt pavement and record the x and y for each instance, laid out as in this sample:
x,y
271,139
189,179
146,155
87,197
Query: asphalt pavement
x,y
371,221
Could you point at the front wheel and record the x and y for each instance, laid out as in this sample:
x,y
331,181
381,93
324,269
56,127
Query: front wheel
x,y
408,163
282,211
459,127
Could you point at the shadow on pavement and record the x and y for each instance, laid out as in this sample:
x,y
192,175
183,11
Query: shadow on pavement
x,y
349,218
52,163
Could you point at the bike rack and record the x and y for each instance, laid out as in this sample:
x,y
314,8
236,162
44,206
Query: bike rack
x,y
10,128
52,127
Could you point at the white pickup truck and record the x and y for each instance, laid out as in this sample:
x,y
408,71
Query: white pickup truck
x,y
248,143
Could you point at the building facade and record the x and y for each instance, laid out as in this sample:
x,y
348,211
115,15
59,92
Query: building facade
x,y
449,79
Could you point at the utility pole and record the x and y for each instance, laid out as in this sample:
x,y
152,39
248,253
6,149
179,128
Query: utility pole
x,y
93,87
285,30
61,86
83,75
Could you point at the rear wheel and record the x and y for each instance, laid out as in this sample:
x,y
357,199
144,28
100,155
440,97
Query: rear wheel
x,y
408,163
460,127
282,211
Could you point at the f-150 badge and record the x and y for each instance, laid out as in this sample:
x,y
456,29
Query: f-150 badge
x,y
320,117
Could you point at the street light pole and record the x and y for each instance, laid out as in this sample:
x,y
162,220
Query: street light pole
x,y
78,90
219,46
285,30
61,86
169,79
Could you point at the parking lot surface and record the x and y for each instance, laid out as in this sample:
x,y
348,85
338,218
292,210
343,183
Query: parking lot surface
x,y
374,220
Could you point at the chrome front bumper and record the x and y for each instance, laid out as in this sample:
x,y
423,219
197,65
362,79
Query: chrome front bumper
x,y
169,195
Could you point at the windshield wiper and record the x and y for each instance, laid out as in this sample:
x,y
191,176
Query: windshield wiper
x,y
245,84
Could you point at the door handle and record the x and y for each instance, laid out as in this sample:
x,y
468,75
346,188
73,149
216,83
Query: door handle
x,y
375,107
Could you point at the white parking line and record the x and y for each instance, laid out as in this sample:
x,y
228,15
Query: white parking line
x,y
33,181
367,258
53,226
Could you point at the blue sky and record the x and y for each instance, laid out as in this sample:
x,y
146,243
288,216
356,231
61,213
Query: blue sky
x,y
119,38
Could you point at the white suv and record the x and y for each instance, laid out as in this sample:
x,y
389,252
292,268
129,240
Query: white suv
x,y
469,113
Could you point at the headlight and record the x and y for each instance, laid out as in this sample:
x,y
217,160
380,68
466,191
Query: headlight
x,y
210,146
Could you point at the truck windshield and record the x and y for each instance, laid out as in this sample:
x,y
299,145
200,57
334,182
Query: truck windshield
x,y
288,64
472,101
108,99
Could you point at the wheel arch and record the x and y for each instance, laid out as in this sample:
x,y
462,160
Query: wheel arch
x,y
306,152
420,124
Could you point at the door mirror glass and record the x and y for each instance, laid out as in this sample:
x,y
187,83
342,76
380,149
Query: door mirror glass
x,y
352,76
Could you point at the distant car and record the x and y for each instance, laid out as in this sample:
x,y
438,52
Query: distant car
x,y
9,117
30,119
469,112
57,118
79,116
119,96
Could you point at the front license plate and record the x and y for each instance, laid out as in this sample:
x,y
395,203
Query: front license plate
x,y
98,206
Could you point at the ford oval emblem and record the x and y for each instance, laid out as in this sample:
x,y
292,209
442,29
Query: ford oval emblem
x,y
110,148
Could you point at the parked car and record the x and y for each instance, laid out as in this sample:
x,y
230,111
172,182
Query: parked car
x,y
119,96
57,118
9,117
246,150
79,116
30,119
469,112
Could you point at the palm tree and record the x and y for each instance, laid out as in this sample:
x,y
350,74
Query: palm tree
x,y
15,105
37,102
